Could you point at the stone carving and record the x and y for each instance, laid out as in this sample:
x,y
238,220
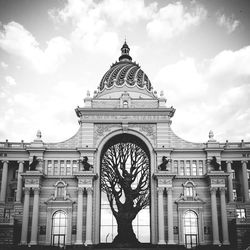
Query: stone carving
x,y
31,181
33,164
164,182
163,165
85,164
102,128
84,182
215,164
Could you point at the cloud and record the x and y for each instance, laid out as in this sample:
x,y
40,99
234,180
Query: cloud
x,y
230,23
15,39
94,23
174,19
10,80
214,93
4,65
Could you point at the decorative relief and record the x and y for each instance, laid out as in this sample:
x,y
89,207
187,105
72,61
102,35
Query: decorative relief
x,y
82,182
217,181
101,129
31,182
147,129
165,182
126,117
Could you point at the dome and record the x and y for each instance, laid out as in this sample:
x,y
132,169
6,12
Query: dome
x,y
125,72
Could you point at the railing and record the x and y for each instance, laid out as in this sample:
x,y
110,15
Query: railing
x,y
6,220
242,221
13,144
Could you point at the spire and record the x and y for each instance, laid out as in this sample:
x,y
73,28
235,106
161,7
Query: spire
x,y
125,53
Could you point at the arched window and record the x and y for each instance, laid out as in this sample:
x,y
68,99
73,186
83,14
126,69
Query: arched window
x,y
190,222
59,228
60,190
189,190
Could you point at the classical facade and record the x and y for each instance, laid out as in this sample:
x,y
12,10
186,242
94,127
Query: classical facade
x,y
51,192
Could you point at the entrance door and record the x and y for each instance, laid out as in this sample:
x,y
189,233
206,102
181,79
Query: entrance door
x,y
190,222
59,240
190,240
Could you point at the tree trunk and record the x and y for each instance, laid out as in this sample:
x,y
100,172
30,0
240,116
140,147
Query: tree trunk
x,y
126,235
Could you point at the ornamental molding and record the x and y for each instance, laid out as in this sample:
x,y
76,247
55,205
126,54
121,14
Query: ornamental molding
x,y
139,117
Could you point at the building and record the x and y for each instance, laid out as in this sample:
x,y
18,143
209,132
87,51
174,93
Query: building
x,y
48,198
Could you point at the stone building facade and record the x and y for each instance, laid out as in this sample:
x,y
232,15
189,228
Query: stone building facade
x,y
201,198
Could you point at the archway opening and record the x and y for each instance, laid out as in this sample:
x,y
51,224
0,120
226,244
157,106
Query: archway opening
x,y
59,228
190,222
125,191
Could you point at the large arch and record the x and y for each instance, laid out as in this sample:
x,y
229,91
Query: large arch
x,y
153,208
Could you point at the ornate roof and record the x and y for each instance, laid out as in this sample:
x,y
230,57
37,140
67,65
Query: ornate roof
x,y
125,71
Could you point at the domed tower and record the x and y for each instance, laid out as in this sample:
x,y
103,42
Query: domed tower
x,y
125,85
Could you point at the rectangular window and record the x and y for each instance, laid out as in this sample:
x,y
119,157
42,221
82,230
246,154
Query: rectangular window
x,y
194,168
233,173
75,167
200,168
62,168
234,195
241,213
248,174
50,168
56,168
68,168
175,166
181,167
189,191
188,168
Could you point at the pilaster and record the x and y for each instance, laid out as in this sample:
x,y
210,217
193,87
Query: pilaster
x,y
245,181
4,182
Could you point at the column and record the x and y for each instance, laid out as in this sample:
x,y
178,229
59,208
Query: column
x,y
170,217
214,216
89,217
4,181
245,181
230,181
19,182
225,237
35,216
25,220
161,216
79,217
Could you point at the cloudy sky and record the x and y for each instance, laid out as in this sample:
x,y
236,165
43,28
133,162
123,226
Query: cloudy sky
x,y
53,51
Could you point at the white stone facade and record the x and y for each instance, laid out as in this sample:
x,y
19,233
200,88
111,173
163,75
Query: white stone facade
x,y
190,183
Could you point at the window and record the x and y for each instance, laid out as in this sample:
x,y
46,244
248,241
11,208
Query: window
x,y
234,195
200,168
189,191
50,168
175,166
240,213
125,104
194,168
62,169
60,189
56,168
59,227
68,168
233,173
190,222
75,167
181,167
188,168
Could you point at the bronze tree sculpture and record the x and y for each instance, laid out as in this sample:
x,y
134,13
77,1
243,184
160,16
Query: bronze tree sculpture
x,y
125,180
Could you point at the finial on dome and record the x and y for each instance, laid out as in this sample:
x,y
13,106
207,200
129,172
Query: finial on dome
x,y
125,52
